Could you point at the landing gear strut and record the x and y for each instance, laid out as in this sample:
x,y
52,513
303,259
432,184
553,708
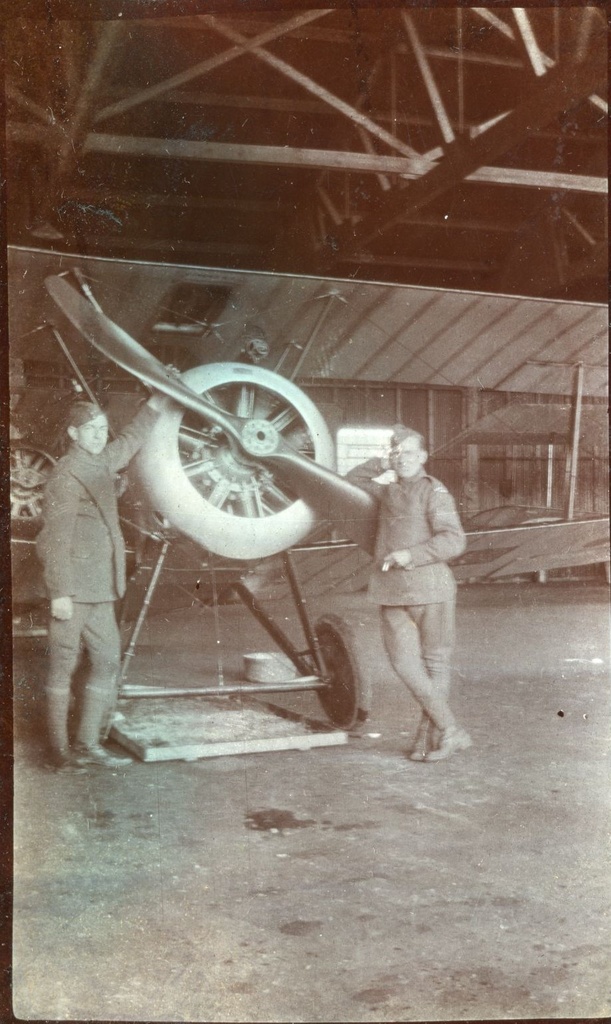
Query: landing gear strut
x,y
328,665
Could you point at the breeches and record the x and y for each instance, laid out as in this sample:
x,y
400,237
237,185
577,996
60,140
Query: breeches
x,y
419,641
95,626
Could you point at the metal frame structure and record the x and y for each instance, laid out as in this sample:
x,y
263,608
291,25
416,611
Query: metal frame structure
x,y
304,660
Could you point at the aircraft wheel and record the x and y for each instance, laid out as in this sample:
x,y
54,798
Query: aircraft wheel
x,y
347,700
30,468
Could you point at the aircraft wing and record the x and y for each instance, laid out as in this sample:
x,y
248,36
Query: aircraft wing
x,y
495,553
534,547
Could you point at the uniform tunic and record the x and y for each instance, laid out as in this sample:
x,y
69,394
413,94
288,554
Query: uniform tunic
x,y
81,546
418,514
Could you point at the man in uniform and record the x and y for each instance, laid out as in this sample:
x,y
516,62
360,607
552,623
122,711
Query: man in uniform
x,y
418,531
82,552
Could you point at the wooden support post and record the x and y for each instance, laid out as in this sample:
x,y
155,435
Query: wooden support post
x,y
570,508
471,468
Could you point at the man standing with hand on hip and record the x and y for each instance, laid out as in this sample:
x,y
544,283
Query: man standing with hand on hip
x,y
82,551
418,531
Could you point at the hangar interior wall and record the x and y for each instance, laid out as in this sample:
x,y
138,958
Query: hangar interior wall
x,y
480,476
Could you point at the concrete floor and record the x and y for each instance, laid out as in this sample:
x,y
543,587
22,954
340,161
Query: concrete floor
x,y
344,883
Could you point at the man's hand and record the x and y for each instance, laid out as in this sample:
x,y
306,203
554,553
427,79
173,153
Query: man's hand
x,y
400,559
387,477
156,402
61,608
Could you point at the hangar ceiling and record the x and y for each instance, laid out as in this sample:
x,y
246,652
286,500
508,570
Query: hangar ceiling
x,y
459,148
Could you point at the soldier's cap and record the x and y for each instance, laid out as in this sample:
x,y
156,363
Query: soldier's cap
x,y
401,434
82,412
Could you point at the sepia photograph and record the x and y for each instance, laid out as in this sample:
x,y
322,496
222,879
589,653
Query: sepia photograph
x,y
307,525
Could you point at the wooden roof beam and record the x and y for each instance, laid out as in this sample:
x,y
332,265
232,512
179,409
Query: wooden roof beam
x,y
293,105
82,114
540,179
446,53
540,60
428,78
143,95
228,152
44,114
560,89
324,94
329,159
285,156
530,43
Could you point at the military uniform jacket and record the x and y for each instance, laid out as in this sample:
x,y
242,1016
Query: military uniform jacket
x,y
81,546
418,514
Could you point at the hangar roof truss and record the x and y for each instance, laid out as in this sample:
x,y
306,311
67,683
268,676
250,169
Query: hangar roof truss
x,y
452,147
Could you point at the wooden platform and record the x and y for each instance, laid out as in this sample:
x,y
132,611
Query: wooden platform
x,y
190,728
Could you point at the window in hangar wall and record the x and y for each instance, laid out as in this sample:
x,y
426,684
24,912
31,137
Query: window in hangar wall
x,y
478,476
357,444
373,408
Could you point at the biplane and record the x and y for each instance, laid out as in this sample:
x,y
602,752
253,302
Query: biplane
x,y
241,464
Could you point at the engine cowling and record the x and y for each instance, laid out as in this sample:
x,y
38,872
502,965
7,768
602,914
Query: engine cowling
x,y
223,498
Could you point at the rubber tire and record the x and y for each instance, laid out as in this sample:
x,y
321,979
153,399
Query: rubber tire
x,y
347,701
37,492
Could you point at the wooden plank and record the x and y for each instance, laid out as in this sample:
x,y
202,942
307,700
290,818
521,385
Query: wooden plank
x,y
329,159
198,751
188,729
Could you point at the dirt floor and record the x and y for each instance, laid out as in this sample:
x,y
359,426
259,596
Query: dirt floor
x,y
343,883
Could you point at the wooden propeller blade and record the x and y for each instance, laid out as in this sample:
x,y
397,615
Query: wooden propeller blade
x,y
119,346
328,493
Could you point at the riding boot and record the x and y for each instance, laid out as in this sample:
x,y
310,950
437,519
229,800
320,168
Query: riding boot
x,y
422,741
58,704
95,707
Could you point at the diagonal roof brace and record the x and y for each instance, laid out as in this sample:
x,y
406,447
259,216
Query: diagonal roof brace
x,y
203,67
421,160
560,89
539,60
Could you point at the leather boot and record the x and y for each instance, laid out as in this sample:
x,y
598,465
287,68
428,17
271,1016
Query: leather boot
x,y
95,754
422,740
452,740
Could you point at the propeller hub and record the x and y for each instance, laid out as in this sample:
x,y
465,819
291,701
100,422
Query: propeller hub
x,y
259,437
